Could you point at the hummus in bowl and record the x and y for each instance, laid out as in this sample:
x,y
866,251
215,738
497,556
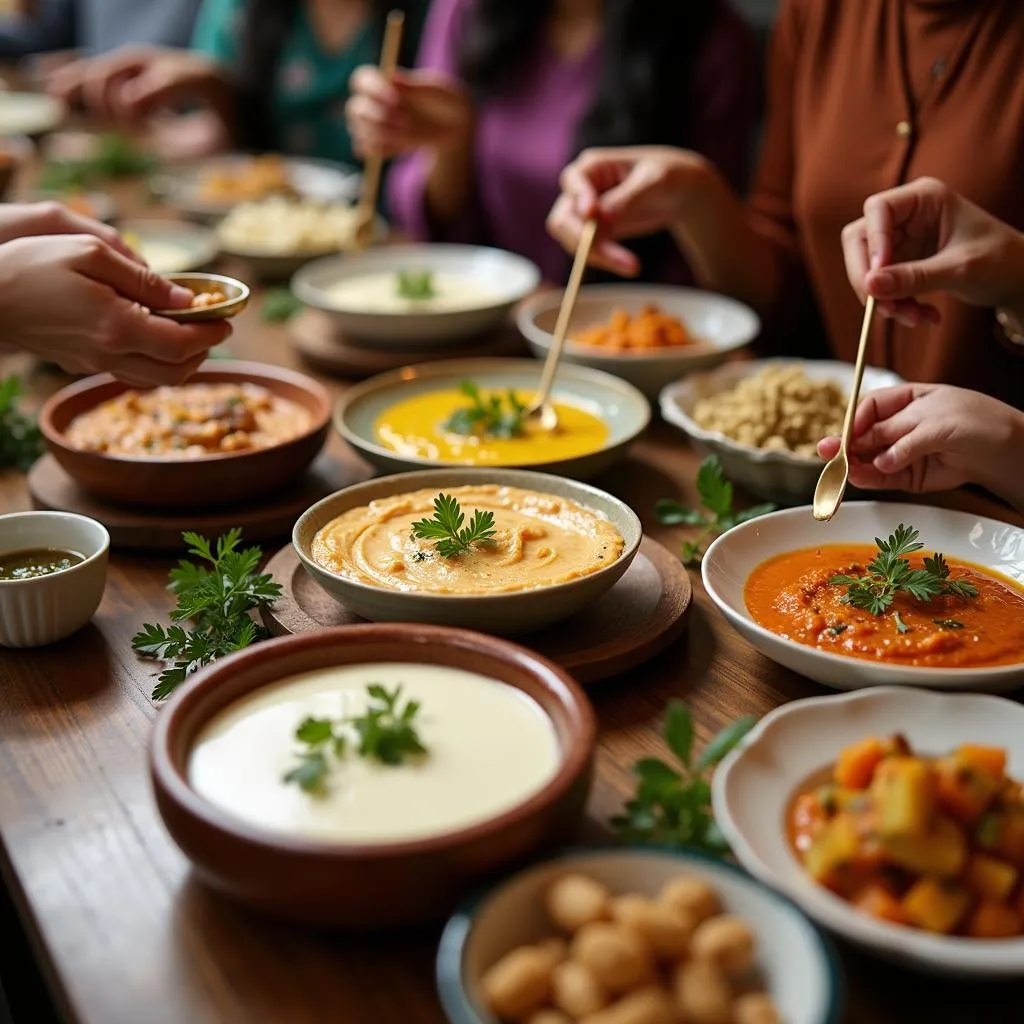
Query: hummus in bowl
x,y
557,545
540,540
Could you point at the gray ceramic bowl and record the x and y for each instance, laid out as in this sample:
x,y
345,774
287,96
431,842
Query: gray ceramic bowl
x,y
502,614
622,407
721,324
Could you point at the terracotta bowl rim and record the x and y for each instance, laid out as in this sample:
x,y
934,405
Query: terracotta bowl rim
x,y
514,477
168,778
265,374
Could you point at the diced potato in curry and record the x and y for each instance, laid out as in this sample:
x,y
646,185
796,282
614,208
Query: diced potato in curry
x,y
932,842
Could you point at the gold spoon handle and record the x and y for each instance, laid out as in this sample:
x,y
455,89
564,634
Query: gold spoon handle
x,y
374,163
572,290
858,374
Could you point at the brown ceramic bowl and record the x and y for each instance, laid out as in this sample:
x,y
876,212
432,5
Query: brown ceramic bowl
x,y
366,886
219,479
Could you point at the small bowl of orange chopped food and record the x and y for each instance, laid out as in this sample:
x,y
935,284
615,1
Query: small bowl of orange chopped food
x,y
898,823
234,431
635,936
650,335
214,297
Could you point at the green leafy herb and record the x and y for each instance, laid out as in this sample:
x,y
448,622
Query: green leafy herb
x,y
415,284
445,527
216,600
499,416
386,733
889,573
116,156
948,623
672,805
900,624
838,628
21,442
280,305
716,514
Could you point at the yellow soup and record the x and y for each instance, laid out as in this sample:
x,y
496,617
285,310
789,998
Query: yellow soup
x,y
415,427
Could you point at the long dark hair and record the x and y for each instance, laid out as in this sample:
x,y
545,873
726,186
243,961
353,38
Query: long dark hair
x,y
650,46
266,28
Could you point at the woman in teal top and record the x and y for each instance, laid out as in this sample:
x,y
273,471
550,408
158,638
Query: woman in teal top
x,y
274,72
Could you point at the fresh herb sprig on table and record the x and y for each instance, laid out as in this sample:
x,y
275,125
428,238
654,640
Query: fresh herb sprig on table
x,y
498,416
889,573
386,733
21,442
672,805
445,526
415,284
280,305
116,156
715,515
216,600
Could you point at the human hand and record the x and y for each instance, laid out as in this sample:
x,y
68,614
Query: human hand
x,y
411,109
632,190
133,82
923,237
18,220
78,302
931,437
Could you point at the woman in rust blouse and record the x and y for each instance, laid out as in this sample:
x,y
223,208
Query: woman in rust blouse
x,y
863,95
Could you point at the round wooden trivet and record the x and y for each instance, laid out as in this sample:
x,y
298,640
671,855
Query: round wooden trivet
x,y
640,616
316,339
268,518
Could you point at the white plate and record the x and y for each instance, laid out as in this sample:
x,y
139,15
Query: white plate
x,y
172,247
721,324
29,113
783,477
755,783
799,967
733,556
508,276
322,180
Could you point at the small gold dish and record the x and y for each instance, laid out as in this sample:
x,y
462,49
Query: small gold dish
x,y
235,298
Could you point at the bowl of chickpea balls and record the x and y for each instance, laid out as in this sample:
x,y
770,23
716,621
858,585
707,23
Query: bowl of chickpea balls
x,y
635,936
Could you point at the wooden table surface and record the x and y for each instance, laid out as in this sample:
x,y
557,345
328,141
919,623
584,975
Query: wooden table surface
x,y
123,934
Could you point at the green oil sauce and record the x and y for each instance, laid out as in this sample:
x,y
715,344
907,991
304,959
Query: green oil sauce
x,y
26,565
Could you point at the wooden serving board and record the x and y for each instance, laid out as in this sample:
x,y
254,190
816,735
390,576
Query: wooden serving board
x,y
639,617
143,529
318,342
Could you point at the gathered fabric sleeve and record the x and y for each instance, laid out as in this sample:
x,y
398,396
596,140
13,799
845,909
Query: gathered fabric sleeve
x,y
406,183
793,320
217,30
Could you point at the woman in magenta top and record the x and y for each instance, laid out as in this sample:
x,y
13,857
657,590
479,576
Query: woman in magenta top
x,y
507,92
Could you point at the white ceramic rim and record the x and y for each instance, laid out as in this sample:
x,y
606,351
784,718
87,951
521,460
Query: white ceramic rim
x,y
963,955
526,321
942,677
55,517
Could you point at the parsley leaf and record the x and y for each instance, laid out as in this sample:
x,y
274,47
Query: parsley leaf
x,y
889,573
948,623
21,441
487,415
280,305
415,284
900,624
445,527
716,514
672,806
215,601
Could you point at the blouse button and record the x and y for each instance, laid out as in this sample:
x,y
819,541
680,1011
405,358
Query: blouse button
x,y
903,129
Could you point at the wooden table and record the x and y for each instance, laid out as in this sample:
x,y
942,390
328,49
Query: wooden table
x,y
121,932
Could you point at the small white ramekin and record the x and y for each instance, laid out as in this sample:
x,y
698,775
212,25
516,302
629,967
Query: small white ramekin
x,y
44,609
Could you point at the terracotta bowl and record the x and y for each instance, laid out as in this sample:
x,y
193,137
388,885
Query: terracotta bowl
x,y
367,886
219,479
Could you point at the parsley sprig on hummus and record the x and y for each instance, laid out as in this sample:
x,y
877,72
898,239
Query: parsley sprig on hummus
x,y
445,526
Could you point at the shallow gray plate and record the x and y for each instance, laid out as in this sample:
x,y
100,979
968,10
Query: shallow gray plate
x,y
619,404
502,614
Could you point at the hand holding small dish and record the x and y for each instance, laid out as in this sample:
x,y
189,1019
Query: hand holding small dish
x,y
215,297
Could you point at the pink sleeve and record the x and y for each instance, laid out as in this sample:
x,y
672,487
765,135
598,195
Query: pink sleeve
x,y
407,176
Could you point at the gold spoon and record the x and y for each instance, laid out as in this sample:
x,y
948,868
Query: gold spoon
x,y
366,217
542,408
828,495
236,298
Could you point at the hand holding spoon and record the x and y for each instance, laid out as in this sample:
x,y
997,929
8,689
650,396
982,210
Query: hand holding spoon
x,y
374,163
828,495
542,408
